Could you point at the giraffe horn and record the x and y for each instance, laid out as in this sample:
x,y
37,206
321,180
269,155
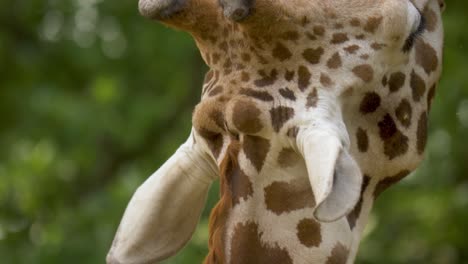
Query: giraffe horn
x,y
163,213
334,175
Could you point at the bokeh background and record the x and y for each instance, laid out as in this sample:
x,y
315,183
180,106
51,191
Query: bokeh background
x,y
94,98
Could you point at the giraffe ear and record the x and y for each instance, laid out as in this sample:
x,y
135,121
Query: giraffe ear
x,y
164,211
334,175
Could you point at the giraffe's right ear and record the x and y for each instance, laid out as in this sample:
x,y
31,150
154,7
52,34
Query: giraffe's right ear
x,y
334,175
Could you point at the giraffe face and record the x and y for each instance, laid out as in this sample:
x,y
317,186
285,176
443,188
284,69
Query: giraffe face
x,y
310,110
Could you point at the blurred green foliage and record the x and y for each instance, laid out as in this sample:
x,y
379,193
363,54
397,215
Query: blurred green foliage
x,y
94,98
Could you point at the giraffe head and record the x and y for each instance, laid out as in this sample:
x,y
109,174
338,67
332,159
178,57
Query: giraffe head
x,y
344,84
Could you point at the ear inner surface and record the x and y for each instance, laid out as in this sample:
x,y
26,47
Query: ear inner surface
x,y
333,174
164,211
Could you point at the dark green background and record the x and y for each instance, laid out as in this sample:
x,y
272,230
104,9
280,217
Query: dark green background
x,y
94,98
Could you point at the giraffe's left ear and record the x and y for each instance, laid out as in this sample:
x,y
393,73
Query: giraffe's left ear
x,y
334,175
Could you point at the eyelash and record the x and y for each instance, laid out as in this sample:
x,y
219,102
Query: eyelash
x,y
409,43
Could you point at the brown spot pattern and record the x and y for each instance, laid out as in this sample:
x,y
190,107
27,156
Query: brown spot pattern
x,y
339,255
217,90
245,77
389,181
355,22
369,103
246,117
377,46
335,61
396,81
289,75
290,35
247,247
283,197
260,95
313,55
288,158
267,79
325,80
352,49
240,185
288,94
372,24
319,30
431,19
418,86
421,133
312,98
395,143
304,78
256,150
362,140
430,96
404,112
426,56
281,52
280,115
339,38
364,72
356,212
309,232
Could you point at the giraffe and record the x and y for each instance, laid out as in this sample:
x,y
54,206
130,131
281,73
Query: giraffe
x,y
309,110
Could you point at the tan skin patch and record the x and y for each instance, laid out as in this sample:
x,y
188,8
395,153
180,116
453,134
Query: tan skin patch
x,y
418,86
283,197
396,81
395,143
247,247
313,55
256,150
279,116
404,113
426,56
370,103
335,61
304,78
364,72
246,117
339,255
362,140
309,232
421,133
356,212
